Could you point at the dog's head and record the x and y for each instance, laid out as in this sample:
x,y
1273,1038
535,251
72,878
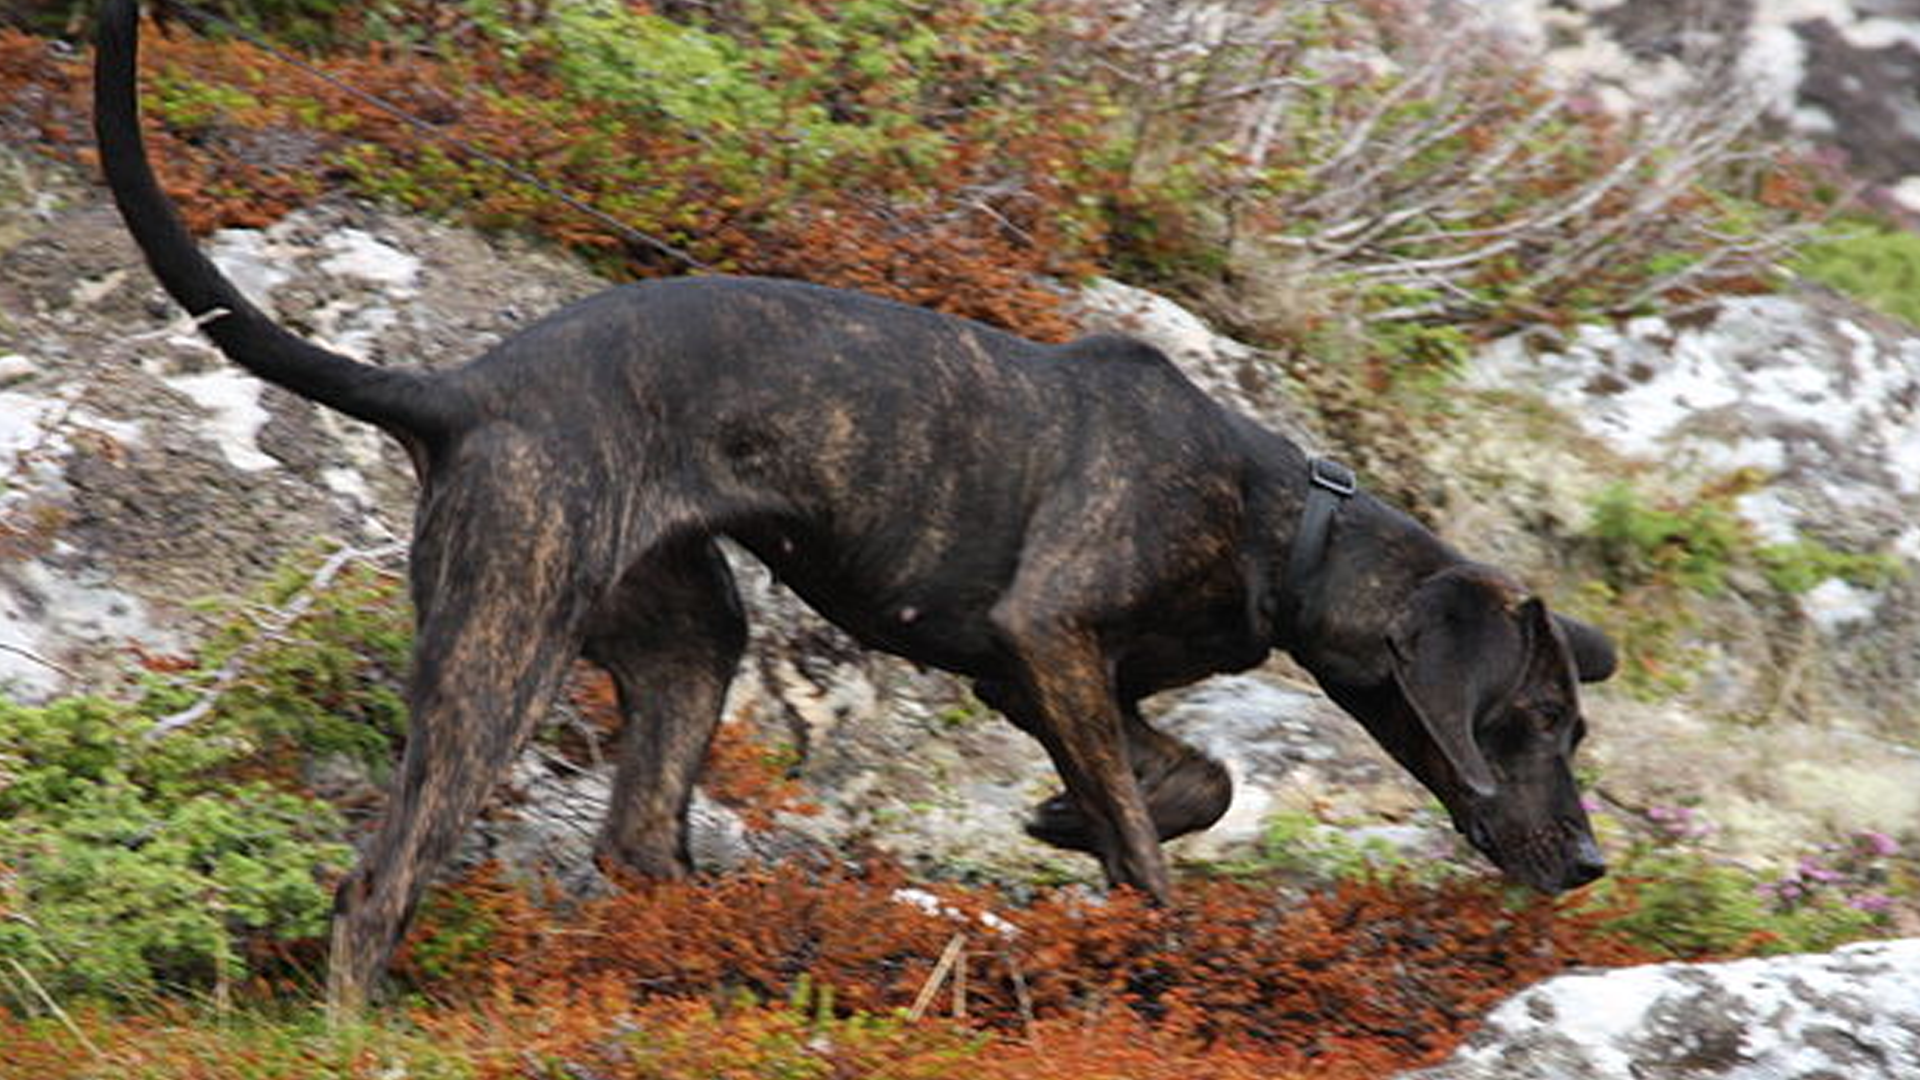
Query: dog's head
x,y
1487,716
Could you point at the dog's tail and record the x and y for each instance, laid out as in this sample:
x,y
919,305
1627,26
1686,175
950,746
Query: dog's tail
x,y
399,401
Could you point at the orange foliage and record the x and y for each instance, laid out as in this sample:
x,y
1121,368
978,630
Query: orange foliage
x,y
742,771
783,972
249,166
675,1039
752,778
1362,981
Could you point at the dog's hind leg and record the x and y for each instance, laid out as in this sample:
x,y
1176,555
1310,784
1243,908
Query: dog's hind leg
x,y
500,582
671,637
1186,791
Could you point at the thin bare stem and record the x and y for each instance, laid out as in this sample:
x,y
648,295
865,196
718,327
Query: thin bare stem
x,y
275,624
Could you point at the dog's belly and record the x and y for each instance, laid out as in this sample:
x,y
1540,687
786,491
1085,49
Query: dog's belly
x,y
935,616
937,611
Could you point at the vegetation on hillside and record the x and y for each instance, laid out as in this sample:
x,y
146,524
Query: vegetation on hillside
x,y
1347,182
1317,958
1871,260
1390,172
1656,560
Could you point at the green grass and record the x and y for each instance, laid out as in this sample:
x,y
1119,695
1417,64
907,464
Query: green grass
x,y
1876,264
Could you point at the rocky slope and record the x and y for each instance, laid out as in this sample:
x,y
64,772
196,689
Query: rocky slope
x,y
1839,72
1800,712
144,474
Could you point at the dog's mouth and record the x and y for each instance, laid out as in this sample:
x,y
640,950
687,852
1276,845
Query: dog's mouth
x,y
1555,857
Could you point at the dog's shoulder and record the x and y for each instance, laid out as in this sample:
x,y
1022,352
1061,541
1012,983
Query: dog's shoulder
x,y
1109,348
1119,360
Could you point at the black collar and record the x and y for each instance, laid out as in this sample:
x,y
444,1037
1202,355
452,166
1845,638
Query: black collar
x,y
1329,484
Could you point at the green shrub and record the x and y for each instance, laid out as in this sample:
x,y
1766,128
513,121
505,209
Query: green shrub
x,y
1656,558
306,21
1297,845
191,105
128,864
1800,566
1874,263
1673,898
331,683
807,94
1690,544
676,74
1687,905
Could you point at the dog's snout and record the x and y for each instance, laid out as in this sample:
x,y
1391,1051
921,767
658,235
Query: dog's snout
x,y
1588,864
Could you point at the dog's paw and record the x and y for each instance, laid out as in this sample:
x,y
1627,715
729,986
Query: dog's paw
x,y
633,862
1058,822
1185,799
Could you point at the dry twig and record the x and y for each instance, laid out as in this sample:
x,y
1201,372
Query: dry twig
x,y
274,624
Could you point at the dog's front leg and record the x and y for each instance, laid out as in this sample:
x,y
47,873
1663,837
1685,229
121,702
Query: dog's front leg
x,y
1066,700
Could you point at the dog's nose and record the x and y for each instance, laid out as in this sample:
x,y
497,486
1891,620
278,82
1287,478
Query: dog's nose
x,y
1584,872
1588,864
1479,836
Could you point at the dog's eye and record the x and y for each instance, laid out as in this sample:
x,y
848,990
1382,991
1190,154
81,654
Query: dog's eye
x,y
1548,717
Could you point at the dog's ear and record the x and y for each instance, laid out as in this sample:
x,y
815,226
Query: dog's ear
x,y
1456,649
1593,655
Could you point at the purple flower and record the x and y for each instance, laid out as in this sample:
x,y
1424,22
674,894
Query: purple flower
x,y
1811,870
1786,890
1878,844
1871,903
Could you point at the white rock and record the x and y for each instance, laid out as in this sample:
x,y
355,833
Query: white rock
x,y
358,254
348,482
23,422
38,426
44,612
1834,604
1775,519
1775,383
254,264
1907,193
1853,1013
233,397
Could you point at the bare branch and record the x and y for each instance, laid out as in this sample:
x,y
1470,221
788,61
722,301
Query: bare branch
x,y
276,624
67,673
1426,156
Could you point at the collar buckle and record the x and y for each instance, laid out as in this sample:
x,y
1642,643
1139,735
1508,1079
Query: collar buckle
x,y
1332,476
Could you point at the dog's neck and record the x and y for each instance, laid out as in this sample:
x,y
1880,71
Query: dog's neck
x,y
1376,556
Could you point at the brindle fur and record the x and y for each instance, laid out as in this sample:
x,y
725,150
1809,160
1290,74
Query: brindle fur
x,y
1071,527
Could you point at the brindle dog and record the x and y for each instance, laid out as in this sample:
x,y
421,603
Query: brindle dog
x,y
1071,527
